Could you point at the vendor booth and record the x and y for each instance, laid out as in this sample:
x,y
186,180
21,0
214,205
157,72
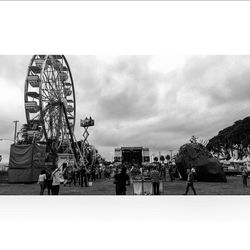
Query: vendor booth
x,y
145,187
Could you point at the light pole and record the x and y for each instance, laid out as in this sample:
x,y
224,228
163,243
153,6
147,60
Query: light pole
x,y
15,131
171,154
111,156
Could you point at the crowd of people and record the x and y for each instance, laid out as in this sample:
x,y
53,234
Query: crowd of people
x,y
122,174
69,175
154,172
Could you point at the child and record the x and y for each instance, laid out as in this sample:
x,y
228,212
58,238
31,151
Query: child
x,y
41,181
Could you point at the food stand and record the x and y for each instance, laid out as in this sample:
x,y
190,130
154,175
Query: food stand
x,y
142,183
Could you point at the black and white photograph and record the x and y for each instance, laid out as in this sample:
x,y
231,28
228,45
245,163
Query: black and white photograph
x,y
125,125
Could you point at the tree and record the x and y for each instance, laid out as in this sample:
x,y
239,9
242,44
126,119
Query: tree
x,y
204,142
156,159
162,158
193,139
236,136
168,158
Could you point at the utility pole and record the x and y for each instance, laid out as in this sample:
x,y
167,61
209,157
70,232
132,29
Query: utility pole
x,y
15,131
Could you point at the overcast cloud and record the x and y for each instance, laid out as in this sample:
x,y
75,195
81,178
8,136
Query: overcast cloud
x,y
153,101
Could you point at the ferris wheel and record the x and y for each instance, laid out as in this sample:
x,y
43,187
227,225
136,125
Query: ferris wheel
x,y
50,99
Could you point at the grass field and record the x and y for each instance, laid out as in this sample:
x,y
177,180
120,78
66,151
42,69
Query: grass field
x,y
106,187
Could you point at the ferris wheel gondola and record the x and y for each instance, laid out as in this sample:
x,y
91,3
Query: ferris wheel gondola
x,y
50,98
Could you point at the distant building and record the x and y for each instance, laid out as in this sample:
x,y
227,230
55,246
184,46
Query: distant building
x,y
132,155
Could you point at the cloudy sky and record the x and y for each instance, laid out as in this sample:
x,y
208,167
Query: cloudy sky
x,y
152,101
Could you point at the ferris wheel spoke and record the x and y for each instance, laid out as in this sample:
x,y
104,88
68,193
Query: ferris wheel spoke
x,y
53,77
45,82
45,98
51,87
47,90
57,81
45,93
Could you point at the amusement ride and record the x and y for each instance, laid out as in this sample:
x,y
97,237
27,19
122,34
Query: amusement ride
x,y
50,107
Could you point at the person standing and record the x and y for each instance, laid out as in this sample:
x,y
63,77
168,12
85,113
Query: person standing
x,y
88,172
96,172
74,175
83,176
56,175
48,182
244,176
78,176
121,181
117,172
70,175
155,177
100,171
93,173
171,172
41,181
190,181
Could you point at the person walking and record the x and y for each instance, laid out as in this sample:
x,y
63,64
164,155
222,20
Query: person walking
x,y
244,176
155,177
190,181
41,181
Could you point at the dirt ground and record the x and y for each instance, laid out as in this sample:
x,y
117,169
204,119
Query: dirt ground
x,y
106,187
